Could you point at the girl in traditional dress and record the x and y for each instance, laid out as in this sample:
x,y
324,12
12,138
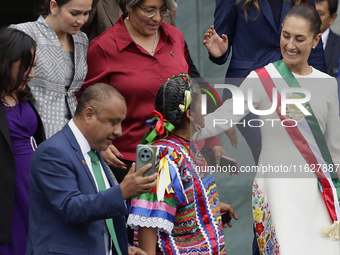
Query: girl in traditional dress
x,y
182,216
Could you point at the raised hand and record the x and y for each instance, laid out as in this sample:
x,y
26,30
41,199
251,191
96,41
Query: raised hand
x,y
216,45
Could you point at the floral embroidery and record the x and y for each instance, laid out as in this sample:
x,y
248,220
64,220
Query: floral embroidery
x,y
259,228
261,243
264,228
270,248
258,214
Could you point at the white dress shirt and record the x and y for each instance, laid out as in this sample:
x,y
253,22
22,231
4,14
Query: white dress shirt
x,y
324,37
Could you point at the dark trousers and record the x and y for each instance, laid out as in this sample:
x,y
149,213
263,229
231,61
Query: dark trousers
x,y
255,250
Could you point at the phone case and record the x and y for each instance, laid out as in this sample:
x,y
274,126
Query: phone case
x,y
230,163
146,154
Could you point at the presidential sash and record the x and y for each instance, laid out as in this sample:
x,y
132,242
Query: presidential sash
x,y
309,140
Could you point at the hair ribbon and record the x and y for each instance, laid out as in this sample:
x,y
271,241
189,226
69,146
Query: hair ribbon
x,y
159,126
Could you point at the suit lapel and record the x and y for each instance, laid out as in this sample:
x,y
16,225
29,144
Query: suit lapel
x,y
111,8
268,14
329,50
79,155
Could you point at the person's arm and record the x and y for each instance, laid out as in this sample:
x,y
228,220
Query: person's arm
x,y
98,66
147,239
160,212
53,173
220,120
225,23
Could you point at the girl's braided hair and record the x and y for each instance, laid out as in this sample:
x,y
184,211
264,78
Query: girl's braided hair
x,y
171,95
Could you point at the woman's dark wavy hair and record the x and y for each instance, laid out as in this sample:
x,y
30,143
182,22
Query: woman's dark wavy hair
x,y
45,8
170,95
15,45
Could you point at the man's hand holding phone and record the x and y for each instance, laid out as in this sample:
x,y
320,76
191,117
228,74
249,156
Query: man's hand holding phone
x,y
134,184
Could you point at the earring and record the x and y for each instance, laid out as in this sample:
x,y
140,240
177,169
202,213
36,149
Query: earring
x,y
128,15
313,47
54,14
197,127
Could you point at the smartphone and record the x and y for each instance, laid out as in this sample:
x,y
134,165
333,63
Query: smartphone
x,y
225,217
146,154
229,163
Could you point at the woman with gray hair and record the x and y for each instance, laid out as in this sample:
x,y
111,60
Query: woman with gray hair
x,y
136,56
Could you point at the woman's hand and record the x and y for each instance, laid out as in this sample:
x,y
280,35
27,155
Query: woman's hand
x,y
216,45
227,208
110,157
218,151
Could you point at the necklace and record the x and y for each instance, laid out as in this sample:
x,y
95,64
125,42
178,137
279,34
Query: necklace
x,y
154,44
186,140
63,43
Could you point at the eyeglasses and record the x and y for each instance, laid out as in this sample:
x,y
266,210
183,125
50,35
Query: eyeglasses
x,y
150,12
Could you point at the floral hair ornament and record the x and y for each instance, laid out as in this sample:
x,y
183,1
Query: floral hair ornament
x,y
159,126
187,93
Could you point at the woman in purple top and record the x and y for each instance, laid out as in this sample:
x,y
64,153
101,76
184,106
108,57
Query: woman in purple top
x,y
20,132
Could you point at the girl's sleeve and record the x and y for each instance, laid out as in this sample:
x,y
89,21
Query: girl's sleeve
x,y
147,211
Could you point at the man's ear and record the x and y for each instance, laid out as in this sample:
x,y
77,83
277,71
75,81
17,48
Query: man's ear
x,y
333,18
89,114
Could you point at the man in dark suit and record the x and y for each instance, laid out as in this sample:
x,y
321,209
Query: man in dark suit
x,y
331,41
68,215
